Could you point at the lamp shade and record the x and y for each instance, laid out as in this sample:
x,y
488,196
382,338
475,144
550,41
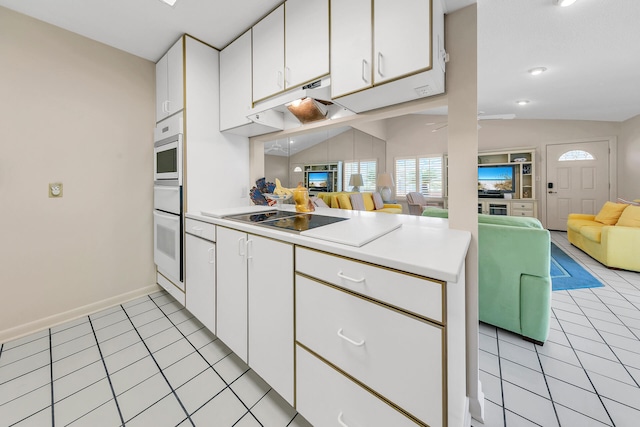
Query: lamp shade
x,y
385,180
356,180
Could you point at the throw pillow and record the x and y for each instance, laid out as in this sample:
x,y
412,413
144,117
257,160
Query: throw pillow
x,y
343,201
357,202
367,198
377,201
630,217
318,202
610,213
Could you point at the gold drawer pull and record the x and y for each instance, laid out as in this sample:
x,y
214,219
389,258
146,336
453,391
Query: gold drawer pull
x,y
349,340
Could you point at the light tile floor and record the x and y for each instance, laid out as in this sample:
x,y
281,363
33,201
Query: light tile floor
x,y
145,363
588,371
150,363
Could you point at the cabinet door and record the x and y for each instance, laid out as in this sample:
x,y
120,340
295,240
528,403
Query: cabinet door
x,y
232,290
306,41
161,87
268,55
201,280
175,78
235,83
271,341
351,41
402,38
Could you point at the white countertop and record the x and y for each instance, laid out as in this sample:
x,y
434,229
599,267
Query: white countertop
x,y
415,244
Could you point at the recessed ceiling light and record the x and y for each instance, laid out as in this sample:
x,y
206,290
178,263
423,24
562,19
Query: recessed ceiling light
x,y
169,2
537,71
523,102
564,3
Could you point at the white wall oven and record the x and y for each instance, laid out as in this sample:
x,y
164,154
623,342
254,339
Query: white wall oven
x,y
167,163
167,202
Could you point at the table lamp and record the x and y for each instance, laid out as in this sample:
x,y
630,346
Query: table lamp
x,y
355,180
385,182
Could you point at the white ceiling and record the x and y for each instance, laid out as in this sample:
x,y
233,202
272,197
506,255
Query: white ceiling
x,y
591,49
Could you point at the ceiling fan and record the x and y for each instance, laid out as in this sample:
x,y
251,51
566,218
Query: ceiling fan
x,y
442,125
277,148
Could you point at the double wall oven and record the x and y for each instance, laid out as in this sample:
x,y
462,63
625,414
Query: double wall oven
x,y
167,200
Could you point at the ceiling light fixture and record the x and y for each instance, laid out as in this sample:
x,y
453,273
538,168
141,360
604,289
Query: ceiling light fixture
x,y
523,102
169,2
537,71
564,3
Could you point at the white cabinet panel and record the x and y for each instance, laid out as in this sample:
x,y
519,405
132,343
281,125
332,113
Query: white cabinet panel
x,y
402,38
200,279
270,265
351,41
170,82
232,290
342,399
398,356
417,295
268,55
306,41
235,83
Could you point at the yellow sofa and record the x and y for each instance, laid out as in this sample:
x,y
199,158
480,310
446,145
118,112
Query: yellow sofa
x,y
341,200
611,237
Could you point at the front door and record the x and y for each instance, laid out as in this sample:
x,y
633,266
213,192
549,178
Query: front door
x,y
577,180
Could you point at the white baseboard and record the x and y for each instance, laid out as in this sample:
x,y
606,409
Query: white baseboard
x,y
51,321
476,405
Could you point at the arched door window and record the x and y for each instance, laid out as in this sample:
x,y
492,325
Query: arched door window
x,y
576,155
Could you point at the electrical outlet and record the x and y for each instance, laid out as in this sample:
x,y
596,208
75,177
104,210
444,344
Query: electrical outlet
x,y
55,189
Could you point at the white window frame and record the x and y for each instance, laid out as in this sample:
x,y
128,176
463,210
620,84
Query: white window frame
x,y
411,181
369,179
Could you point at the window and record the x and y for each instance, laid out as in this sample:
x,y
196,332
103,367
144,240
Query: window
x,y
576,155
367,168
422,174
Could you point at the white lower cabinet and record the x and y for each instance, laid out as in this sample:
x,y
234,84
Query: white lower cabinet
x,y
200,276
344,402
397,355
255,304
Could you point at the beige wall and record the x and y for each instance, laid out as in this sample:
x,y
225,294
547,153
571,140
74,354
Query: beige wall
x,y
82,113
347,146
408,135
277,167
629,159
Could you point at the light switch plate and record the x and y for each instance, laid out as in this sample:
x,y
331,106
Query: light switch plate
x,y
55,189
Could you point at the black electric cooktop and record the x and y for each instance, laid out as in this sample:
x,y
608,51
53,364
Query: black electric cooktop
x,y
290,221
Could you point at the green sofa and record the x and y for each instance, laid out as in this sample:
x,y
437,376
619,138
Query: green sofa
x,y
514,255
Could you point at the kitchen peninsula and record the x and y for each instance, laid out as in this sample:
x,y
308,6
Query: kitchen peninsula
x,y
359,322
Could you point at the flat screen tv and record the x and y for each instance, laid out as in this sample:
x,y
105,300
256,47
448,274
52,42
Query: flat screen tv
x,y
318,181
495,181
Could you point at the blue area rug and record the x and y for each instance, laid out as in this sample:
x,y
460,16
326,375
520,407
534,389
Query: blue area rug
x,y
568,274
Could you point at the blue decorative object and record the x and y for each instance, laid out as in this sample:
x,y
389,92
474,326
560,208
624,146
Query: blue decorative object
x,y
568,274
257,192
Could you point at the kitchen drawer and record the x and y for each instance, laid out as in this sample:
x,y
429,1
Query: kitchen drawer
x,y
343,400
520,212
201,229
398,355
173,290
415,294
522,206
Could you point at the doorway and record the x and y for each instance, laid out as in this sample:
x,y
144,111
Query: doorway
x,y
578,180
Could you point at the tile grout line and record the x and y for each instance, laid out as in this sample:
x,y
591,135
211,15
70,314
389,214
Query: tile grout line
x,y
546,383
589,378
504,407
53,418
106,370
228,385
609,347
161,371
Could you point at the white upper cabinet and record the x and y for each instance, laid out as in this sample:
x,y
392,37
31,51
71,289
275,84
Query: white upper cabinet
x,y
290,47
306,41
402,38
351,42
170,82
268,55
235,83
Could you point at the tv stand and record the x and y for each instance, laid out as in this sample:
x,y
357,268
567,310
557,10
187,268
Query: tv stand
x,y
334,171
